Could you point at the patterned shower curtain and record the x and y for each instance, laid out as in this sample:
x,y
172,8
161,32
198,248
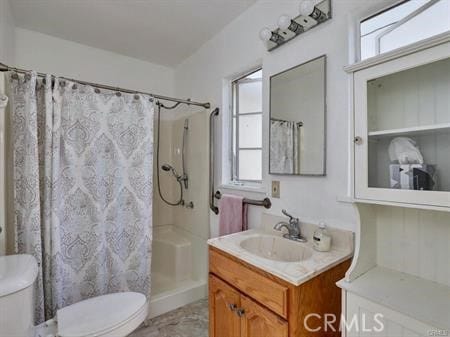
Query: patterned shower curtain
x,y
285,146
81,188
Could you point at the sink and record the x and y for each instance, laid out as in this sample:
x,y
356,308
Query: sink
x,y
276,248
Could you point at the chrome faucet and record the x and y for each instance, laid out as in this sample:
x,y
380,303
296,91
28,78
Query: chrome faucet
x,y
293,228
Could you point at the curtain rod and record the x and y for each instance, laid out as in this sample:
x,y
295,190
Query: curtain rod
x,y
207,105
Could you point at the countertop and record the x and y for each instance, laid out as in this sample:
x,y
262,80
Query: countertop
x,y
295,273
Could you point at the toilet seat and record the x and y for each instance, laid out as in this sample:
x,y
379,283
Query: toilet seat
x,y
112,315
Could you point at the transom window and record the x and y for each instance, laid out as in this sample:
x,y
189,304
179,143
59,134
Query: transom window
x,y
247,128
405,23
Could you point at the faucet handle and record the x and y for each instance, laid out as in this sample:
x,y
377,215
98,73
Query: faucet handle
x,y
288,215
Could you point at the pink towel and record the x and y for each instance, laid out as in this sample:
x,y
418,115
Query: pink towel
x,y
232,214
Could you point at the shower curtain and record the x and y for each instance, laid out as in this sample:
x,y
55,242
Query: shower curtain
x,y
285,146
82,188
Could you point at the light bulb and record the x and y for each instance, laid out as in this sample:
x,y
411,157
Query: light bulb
x,y
284,22
265,34
306,7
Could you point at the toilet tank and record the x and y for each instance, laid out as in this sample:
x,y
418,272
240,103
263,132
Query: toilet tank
x,y
17,275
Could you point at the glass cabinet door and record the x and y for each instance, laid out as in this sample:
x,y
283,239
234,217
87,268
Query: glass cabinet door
x,y
402,124
409,128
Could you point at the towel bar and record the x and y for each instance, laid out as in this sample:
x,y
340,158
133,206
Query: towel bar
x,y
266,203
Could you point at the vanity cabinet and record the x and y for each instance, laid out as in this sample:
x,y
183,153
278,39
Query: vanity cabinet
x,y
245,301
403,94
259,322
233,314
223,303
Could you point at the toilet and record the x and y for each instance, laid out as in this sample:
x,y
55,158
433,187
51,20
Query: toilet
x,y
112,315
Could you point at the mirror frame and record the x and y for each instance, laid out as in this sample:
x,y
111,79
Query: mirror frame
x,y
324,172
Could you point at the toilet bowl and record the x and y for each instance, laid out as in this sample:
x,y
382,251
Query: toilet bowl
x,y
112,315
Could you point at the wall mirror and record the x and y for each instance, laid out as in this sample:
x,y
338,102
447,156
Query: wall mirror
x,y
297,119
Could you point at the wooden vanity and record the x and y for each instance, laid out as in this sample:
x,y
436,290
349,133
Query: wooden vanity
x,y
245,301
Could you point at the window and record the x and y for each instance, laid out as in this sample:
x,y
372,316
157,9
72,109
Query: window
x,y
405,23
246,149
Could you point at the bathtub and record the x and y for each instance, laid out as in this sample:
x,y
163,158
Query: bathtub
x,y
173,282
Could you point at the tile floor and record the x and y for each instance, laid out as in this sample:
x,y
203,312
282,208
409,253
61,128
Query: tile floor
x,y
188,321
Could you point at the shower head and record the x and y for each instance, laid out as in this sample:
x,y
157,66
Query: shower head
x,y
170,168
167,167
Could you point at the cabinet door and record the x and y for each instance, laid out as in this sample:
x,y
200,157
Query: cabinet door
x,y
224,301
405,97
258,321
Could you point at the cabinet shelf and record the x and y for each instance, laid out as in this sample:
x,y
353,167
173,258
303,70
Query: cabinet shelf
x,y
423,300
413,131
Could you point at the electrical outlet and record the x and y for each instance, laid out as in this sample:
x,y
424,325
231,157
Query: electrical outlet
x,y
275,189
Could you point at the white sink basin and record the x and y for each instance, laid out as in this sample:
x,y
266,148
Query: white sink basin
x,y
276,248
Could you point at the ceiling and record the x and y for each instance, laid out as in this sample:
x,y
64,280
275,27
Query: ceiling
x,y
160,31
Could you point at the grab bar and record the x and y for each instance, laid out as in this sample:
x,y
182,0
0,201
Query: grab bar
x,y
266,203
212,116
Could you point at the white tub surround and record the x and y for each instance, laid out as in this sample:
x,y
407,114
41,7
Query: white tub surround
x,y
175,282
173,262
295,273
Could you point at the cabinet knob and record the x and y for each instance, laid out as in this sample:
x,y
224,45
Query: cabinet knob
x,y
232,307
358,140
240,312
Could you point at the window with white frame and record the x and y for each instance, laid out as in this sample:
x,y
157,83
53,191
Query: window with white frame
x,y
246,133
402,24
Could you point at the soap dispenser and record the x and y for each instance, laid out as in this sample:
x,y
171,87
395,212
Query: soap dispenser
x,y
321,239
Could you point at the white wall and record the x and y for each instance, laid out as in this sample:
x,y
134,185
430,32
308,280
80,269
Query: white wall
x,y
237,48
48,54
6,33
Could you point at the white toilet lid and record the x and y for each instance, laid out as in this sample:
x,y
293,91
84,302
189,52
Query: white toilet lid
x,y
99,315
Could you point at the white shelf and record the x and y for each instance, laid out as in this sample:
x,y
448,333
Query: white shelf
x,y
420,299
414,131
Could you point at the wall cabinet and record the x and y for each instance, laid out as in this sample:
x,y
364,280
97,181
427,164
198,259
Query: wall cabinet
x,y
400,269
406,95
245,301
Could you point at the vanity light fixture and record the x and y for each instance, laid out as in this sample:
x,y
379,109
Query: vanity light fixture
x,y
267,35
312,13
307,8
286,23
